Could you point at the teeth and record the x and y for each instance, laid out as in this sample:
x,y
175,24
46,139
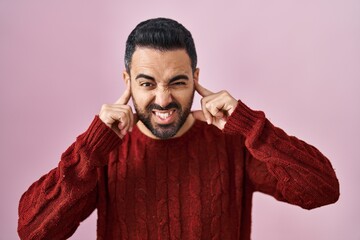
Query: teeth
x,y
164,115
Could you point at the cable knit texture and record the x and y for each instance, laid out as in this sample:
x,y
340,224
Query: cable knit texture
x,y
197,186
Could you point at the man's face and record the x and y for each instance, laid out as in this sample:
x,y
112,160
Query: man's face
x,y
162,88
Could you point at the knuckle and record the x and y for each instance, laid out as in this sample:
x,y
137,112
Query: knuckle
x,y
105,108
122,114
209,105
128,108
224,93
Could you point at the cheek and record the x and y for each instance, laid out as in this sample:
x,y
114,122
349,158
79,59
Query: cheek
x,y
184,96
142,99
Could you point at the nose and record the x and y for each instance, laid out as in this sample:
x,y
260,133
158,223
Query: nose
x,y
163,97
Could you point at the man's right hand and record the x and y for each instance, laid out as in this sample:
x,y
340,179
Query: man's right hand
x,y
119,116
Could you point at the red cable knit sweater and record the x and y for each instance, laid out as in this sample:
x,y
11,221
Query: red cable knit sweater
x,y
197,186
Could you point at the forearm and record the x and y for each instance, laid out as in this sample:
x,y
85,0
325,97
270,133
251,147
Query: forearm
x,y
301,174
53,207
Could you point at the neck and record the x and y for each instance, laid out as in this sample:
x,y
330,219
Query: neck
x,y
185,127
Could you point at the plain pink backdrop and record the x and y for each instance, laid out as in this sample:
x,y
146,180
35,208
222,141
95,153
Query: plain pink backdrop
x,y
299,61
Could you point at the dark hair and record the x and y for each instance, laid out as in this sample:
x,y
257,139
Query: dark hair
x,y
161,34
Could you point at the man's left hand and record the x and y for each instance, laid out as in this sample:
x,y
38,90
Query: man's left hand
x,y
216,107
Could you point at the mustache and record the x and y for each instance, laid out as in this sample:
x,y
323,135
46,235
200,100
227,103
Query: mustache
x,y
154,106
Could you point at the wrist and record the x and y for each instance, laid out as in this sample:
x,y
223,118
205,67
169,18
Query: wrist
x,y
244,120
98,140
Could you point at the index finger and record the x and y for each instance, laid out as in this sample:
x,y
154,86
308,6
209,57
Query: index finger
x,y
124,99
201,90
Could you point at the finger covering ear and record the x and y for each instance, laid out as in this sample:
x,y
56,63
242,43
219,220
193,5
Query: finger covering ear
x,y
201,90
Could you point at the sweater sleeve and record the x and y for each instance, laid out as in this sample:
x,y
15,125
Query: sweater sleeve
x,y
54,206
280,165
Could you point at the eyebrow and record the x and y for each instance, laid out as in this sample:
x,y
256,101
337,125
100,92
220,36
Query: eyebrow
x,y
177,77
141,75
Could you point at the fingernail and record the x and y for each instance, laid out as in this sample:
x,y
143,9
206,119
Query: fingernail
x,y
208,121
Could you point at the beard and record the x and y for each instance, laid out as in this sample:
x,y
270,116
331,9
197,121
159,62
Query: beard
x,y
164,131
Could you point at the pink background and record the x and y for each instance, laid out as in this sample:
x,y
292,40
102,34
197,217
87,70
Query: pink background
x,y
299,61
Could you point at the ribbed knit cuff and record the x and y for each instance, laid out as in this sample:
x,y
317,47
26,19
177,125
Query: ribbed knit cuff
x,y
243,120
99,140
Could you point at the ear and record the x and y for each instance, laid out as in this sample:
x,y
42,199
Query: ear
x,y
196,74
126,77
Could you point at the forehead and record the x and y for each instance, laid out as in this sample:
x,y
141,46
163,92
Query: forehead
x,y
152,61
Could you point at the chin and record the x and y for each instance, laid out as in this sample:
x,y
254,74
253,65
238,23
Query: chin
x,y
164,131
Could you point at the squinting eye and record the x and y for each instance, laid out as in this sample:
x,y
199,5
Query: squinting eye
x,y
179,83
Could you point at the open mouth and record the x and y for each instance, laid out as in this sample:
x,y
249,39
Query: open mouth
x,y
164,117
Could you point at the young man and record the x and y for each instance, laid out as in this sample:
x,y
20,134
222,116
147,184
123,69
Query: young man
x,y
166,172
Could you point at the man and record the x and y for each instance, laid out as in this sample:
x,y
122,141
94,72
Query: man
x,y
166,172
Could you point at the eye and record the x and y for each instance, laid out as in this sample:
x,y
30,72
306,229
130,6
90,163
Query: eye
x,y
146,84
179,83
